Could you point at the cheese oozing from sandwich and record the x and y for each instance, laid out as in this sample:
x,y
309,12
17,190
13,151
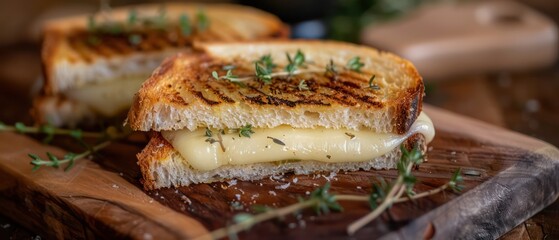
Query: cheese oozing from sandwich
x,y
287,143
110,97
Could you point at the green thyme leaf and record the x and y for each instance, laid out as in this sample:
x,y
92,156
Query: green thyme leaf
x,y
215,75
93,40
71,157
246,131
202,20
260,208
91,23
132,17
355,64
295,62
76,134
379,193
262,73
134,39
455,181
184,24
20,127
267,62
48,130
325,201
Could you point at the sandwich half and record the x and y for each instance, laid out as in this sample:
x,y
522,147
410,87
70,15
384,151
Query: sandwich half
x,y
94,64
250,110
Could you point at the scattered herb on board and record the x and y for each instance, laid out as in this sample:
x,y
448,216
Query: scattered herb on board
x,y
105,137
322,201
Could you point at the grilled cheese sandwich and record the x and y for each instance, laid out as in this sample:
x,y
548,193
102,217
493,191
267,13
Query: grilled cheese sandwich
x,y
343,118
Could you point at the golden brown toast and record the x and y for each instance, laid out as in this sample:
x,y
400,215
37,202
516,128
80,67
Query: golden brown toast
x,y
79,52
182,93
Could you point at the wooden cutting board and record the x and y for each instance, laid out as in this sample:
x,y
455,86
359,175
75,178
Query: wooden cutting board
x,y
508,177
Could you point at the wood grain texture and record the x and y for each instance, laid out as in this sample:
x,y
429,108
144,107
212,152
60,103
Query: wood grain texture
x,y
509,177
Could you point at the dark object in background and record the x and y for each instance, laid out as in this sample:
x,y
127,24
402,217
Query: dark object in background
x,y
305,17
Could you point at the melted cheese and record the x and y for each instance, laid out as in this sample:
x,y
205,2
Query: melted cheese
x,y
319,144
108,98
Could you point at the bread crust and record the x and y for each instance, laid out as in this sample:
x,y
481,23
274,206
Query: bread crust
x,y
182,94
65,41
162,166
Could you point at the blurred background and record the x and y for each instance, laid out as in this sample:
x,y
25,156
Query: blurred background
x,y
491,60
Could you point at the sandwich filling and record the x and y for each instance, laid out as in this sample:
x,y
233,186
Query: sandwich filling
x,y
287,143
108,98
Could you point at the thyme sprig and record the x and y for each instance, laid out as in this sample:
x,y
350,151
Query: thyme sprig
x,y
107,136
382,197
135,21
202,20
388,194
320,200
264,70
48,130
69,158
184,25
228,76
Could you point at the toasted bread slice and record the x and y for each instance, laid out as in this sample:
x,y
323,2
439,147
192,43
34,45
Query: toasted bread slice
x,y
75,56
70,60
182,93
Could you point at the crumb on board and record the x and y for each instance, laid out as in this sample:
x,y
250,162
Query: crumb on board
x,y
284,186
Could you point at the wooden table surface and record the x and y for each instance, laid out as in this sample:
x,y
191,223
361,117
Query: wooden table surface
x,y
524,102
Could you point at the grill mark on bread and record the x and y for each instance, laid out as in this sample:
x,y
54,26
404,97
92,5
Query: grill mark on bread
x,y
177,99
342,88
218,93
116,45
82,49
228,31
342,100
201,96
